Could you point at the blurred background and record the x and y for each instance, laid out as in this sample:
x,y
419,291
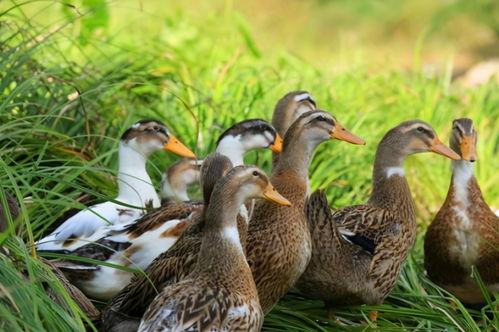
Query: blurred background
x,y
331,34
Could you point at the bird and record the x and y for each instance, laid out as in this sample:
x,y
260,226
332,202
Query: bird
x,y
125,310
279,243
137,244
135,188
219,294
465,231
357,251
287,110
177,178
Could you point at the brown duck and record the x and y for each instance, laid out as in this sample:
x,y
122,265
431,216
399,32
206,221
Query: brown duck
x,y
279,244
465,231
125,309
358,250
287,110
219,294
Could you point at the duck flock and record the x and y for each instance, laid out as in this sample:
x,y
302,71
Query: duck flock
x,y
222,263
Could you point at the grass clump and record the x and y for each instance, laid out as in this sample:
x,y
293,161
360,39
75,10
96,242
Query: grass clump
x,y
70,87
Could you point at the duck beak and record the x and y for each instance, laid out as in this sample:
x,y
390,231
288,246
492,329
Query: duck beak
x,y
344,134
468,149
271,194
175,146
438,147
277,145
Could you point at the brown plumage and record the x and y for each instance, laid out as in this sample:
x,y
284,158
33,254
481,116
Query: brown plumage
x,y
220,293
177,178
465,231
126,309
287,110
279,244
11,208
358,250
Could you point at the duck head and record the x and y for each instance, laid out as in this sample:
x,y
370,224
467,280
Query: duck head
x,y
147,136
463,139
246,136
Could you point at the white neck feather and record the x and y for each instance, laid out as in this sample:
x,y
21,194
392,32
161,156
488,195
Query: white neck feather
x,y
390,171
232,148
230,233
134,184
462,172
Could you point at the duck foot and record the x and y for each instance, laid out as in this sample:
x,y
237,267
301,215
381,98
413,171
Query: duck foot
x,y
373,316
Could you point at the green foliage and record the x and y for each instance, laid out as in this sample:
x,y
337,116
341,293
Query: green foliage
x,y
70,87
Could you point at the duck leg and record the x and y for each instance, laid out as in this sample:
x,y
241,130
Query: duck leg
x,y
373,315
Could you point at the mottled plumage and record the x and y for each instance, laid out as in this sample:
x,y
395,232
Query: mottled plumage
x,y
219,294
279,244
358,250
465,231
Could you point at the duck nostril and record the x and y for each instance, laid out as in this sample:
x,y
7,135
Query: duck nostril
x,y
472,160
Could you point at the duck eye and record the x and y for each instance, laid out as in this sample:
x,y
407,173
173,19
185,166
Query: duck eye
x,y
255,173
420,129
156,128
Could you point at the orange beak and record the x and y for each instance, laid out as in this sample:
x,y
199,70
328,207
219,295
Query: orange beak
x,y
175,146
271,194
438,147
468,149
277,145
344,134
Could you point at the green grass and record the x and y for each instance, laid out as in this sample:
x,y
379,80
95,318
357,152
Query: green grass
x,y
69,87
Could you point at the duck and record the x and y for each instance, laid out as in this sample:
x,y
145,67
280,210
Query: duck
x,y
287,110
219,294
279,244
357,251
137,244
465,231
177,178
124,311
135,188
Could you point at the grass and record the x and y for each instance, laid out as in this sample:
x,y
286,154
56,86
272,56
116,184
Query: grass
x,y
70,86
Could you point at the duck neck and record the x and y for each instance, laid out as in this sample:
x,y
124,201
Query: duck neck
x,y
464,187
221,254
296,157
232,148
134,184
179,192
390,188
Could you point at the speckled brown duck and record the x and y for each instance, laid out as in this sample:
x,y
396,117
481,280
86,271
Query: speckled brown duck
x,y
279,244
219,294
465,231
358,250
126,309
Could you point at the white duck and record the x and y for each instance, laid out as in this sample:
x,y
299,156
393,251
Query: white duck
x,y
139,243
135,188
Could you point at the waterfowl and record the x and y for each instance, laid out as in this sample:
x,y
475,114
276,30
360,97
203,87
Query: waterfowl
x,y
465,231
134,187
125,310
288,109
357,251
279,244
136,245
177,178
219,294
